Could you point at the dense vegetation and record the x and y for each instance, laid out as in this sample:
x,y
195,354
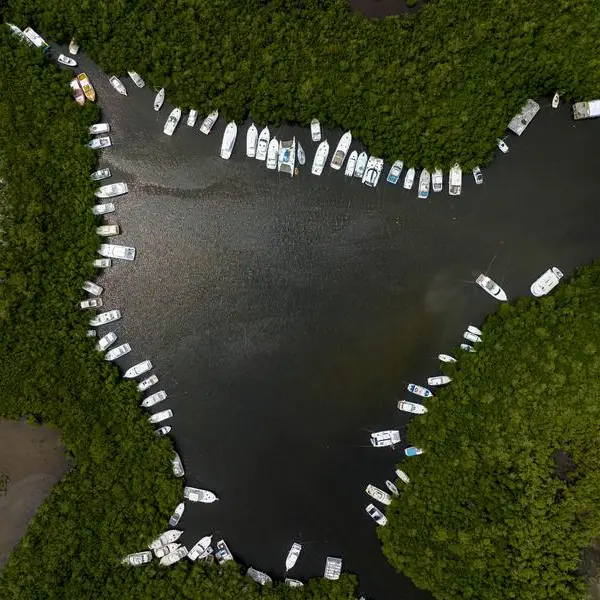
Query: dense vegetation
x,y
505,496
433,88
121,490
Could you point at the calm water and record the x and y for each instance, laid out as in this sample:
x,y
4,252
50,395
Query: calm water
x,y
285,316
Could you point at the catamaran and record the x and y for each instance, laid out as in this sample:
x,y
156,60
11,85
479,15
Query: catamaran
x,y
208,123
409,179
159,99
287,157
301,155
361,165
118,85
177,514
315,130
389,437
373,171
172,121
424,181
65,60
154,399
351,164
455,180
136,79
272,154
77,92
491,287
87,87
320,158
437,180
339,156
251,141
418,390
228,142
292,556
394,173
263,144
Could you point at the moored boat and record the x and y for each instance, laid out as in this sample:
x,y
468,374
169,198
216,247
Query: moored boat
x,y
208,123
66,60
402,476
101,174
411,407
173,557
555,100
293,582
159,99
272,154
147,383
341,150
172,121
320,158
376,515
154,399
388,437
77,92
263,144
251,141
413,451
477,175
137,558
201,548
286,159
424,181
392,487
292,556
315,130
351,164
192,118
437,180
491,287
137,370
394,172
117,352
455,180
73,47
98,128
409,179
439,380
418,390
177,514
228,142
378,494
111,190
258,576
373,171
135,77
301,155
163,415
502,146
199,495
177,465
223,553
87,87
361,165
163,430
546,282
471,337
118,85
168,537
167,549
475,330
467,348
103,209
446,358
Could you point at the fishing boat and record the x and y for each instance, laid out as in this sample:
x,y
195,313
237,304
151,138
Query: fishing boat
x,y
198,495
118,85
301,155
455,180
376,515
117,352
437,180
424,181
192,118
258,576
201,548
163,431
402,476
177,465
172,121
373,171
263,144
137,370
228,140
137,558
87,87
223,554
98,128
339,156
394,172
173,557
333,568
381,439
391,486
491,287
159,99
160,416
251,141
292,556
101,174
273,154
177,514
168,537
164,550
438,380
103,141
111,190
147,383
77,92
154,399
555,100
502,146
209,122
73,47
378,495
361,165
475,330
106,341
351,164
411,407
467,348
413,388
446,358
315,130
409,179
286,159
292,582
320,158
65,60
546,282
136,79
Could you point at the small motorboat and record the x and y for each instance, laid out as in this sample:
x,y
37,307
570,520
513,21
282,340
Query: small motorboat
x,y
108,230
502,145
154,399
73,47
292,582
198,495
177,465
65,60
439,380
87,87
118,85
555,100
475,330
424,181
99,128
111,190
136,79
477,175
147,383
437,180
201,548
378,494
103,141
471,337
388,437
251,141
263,144
413,451
546,282
341,150
173,557
228,142
77,92
209,122
258,576
292,556
273,154
491,287
192,118
320,158
376,515
446,358
117,352
163,431
168,537
418,390
159,99
163,415
402,476
301,155
139,369
391,486
177,514
351,164
394,173
315,130
361,165
409,179
411,407
172,121
467,348
101,174
455,180
137,558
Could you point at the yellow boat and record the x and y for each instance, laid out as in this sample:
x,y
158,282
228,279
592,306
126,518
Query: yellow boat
x,y
86,86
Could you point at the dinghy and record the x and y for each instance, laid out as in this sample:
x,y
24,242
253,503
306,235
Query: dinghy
x,y
65,60
77,92
437,180
491,287
555,100
315,130
73,47
361,165
351,164
424,181
287,157
159,99
292,556
301,155
446,358
394,173
320,158
418,390
87,87
381,439
208,123
177,513
251,141
228,140
136,79
455,180
339,156
409,179
263,144
272,154
192,117
172,121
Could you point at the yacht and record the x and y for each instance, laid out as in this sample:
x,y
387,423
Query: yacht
x,y
168,537
137,558
136,79
139,369
228,142
198,495
287,157
409,179
66,60
320,158
173,557
272,154
159,99
192,118
154,399
292,556
301,155
118,85
315,130
424,181
201,548
389,437
339,156
351,164
378,495
418,390
163,415
455,181
546,282
101,174
177,514
373,171
491,287
208,123
251,141
87,87
263,144
111,190
178,469
172,121
437,180
446,358
394,173
361,165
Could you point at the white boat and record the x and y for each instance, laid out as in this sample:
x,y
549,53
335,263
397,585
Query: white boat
x,y
394,174
293,582
163,415
546,282
101,174
172,121
73,47
437,180
477,175
378,495
292,556
102,263
272,154
103,209
409,179
424,182
198,495
118,85
373,171
339,156
66,60
502,146
117,352
439,380
223,553
163,430
376,515
200,548
228,142
208,123
258,576
136,79
251,141
315,130
467,348
98,128
411,407
351,164
117,251
263,144
301,155
91,303
471,337
320,158
106,341
381,439
154,399
286,158
103,141
177,514
164,550
333,568
137,558
168,537
111,190
392,487
159,99
475,330
177,465
147,383
555,100
92,288
108,230
491,287
413,388
192,118
77,92
402,476
138,369
446,358
173,557
455,181
361,165
523,118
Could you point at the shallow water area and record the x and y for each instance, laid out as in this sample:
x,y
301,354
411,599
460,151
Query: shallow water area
x,y
286,316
